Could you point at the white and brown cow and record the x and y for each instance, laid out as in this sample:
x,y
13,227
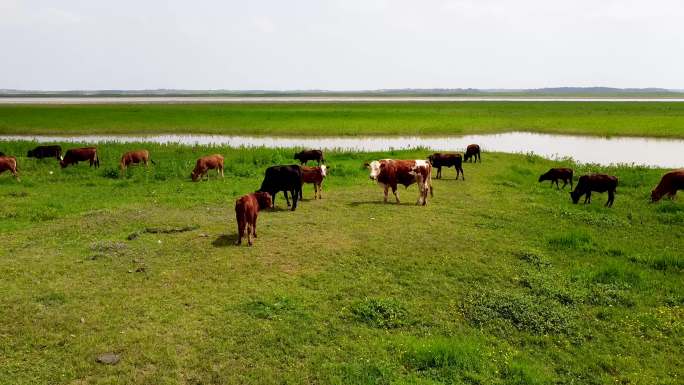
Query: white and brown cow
x,y
390,173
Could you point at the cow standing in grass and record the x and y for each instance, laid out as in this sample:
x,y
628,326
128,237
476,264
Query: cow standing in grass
x,y
9,163
75,155
135,157
595,182
286,179
206,163
439,160
554,174
389,173
246,212
472,152
307,155
669,184
315,176
50,151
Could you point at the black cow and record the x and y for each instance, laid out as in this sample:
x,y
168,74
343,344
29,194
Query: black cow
x,y
283,178
554,174
447,160
41,152
307,155
472,152
595,182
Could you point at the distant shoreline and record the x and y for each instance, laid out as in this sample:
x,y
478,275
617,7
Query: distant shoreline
x,y
8,100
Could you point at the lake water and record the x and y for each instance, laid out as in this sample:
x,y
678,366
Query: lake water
x,y
668,153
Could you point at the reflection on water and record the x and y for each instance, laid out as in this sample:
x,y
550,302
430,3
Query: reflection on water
x,y
667,153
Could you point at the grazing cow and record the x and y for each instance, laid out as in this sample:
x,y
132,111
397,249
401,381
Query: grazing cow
x,y
135,157
669,184
9,163
307,155
41,152
246,211
554,174
390,173
472,152
447,160
595,182
206,163
283,178
75,155
314,175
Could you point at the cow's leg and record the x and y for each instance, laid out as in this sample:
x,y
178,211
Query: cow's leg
x,y
394,191
439,172
286,198
611,198
241,229
386,192
254,223
320,191
295,196
557,188
587,198
221,170
565,183
249,234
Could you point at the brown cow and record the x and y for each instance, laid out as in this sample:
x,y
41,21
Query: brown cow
x,y
595,182
9,163
205,164
135,157
246,211
472,151
554,174
439,160
314,175
75,155
390,173
669,184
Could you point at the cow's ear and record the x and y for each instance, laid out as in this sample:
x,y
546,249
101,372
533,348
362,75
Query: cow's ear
x,y
366,165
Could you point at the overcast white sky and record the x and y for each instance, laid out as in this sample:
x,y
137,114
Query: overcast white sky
x,y
340,44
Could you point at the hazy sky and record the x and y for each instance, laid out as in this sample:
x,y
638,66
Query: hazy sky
x,y
340,44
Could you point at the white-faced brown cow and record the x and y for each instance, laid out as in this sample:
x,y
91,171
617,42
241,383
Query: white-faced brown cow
x,y
315,176
206,163
9,163
134,157
389,173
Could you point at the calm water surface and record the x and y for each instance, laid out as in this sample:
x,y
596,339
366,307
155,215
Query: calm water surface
x,y
668,153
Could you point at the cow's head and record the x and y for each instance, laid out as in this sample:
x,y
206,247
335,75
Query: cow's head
x,y
29,154
656,195
375,168
324,170
194,175
575,195
264,199
62,163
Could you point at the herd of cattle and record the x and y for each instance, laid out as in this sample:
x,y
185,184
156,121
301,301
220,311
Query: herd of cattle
x,y
388,173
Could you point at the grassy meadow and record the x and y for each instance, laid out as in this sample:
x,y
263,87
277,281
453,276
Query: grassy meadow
x,y
498,280
331,119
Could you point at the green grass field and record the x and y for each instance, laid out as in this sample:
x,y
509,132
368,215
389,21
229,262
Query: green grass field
x,y
331,119
499,280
